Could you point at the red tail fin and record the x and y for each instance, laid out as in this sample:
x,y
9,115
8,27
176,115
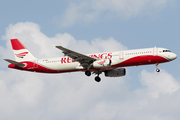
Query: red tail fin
x,y
17,45
20,51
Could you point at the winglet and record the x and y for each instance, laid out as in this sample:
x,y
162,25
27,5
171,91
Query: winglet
x,y
15,63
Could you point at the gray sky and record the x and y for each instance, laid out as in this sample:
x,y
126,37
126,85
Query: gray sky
x,y
88,27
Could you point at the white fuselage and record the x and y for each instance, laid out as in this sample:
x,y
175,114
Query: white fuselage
x,y
119,59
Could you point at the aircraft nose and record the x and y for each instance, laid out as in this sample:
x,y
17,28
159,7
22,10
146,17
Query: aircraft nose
x,y
173,56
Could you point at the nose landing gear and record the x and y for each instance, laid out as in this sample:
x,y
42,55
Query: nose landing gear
x,y
157,69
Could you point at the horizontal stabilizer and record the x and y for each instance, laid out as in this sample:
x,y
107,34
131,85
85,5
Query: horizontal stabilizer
x,y
15,63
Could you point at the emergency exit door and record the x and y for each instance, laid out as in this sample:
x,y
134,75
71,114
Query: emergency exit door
x,y
155,51
121,55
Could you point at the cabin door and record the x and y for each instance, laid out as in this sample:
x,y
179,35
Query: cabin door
x,y
121,55
155,51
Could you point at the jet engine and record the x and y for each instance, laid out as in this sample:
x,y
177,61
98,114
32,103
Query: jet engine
x,y
102,63
115,73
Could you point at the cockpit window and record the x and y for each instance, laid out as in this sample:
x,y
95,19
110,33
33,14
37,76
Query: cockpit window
x,y
166,51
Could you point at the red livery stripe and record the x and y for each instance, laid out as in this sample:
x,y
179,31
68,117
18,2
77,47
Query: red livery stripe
x,y
17,45
102,62
135,61
143,60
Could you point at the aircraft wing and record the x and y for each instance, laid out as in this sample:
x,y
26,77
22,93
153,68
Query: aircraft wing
x,y
15,63
84,60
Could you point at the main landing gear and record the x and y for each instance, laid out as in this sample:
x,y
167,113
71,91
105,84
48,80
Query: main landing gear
x,y
97,78
157,69
88,73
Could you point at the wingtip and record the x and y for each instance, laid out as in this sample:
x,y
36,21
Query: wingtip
x,y
5,59
58,46
54,46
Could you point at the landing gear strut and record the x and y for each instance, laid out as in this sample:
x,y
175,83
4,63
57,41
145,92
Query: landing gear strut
x,y
87,72
157,69
97,78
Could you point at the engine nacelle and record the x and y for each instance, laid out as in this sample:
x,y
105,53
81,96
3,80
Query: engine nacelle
x,y
115,73
102,63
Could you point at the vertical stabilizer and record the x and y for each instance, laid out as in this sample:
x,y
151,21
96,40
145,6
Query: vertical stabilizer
x,y
20,51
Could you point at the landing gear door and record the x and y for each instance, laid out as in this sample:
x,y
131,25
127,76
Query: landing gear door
x,y
155,51
121,55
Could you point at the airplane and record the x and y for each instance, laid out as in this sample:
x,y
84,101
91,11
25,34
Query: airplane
x,y
111,63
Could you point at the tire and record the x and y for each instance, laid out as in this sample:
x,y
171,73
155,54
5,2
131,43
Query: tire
x,y
157,70
97,79
88,73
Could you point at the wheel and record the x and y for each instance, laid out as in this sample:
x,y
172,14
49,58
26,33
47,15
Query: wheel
x,y
157,70
97,79
88,73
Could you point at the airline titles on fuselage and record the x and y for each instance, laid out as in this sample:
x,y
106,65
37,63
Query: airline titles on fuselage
x,y
70,60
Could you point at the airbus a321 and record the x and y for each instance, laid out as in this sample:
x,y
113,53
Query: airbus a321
x,y
111,63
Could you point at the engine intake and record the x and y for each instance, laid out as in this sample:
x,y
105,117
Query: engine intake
x,y
115,73
102,63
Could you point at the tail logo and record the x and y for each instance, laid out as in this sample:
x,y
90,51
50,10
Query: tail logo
x,y
21,55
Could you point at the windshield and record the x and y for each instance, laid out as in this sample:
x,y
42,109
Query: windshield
x,y
166,51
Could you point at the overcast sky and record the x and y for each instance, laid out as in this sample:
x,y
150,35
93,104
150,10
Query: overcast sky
x,y
89,27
